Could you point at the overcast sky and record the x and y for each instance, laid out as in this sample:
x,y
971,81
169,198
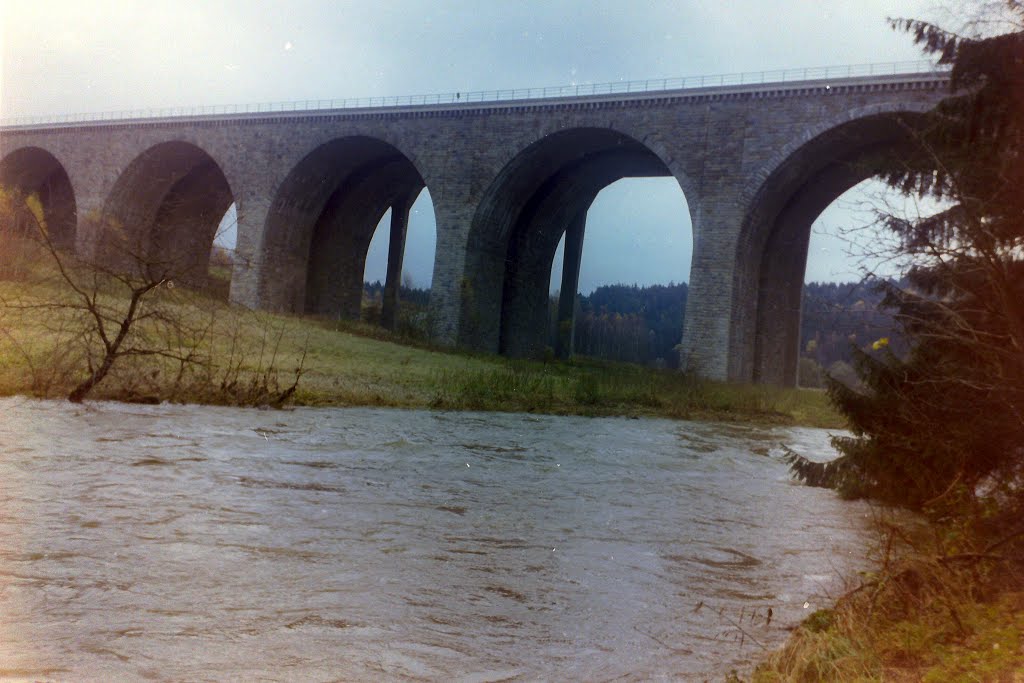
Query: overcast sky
x,y
61,57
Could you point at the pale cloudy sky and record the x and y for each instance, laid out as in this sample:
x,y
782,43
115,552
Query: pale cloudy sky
x,y
60,56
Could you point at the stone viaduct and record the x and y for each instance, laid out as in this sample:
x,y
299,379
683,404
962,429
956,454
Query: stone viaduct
x,y
756,163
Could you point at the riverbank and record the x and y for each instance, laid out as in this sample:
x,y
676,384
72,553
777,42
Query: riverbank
x,y
237,356
944,604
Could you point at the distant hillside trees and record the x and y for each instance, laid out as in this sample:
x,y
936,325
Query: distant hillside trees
x,y
632,324
836,319
374,292
644,324
413,308
635,324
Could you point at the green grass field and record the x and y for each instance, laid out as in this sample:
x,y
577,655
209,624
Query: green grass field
x,y
245,357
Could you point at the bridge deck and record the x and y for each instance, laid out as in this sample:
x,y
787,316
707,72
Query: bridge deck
x,y
764,83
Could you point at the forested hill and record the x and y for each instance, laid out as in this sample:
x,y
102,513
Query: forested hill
x,y
643,324
834,315
373,291
631,323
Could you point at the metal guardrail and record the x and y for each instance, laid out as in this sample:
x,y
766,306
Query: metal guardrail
x,y
505,95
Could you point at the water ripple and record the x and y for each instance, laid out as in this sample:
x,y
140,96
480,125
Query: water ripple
x,y
184,542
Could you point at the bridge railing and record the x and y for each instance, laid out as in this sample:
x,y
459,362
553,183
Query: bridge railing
x,y
503,95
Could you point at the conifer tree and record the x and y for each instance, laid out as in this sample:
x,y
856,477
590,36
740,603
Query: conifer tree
x,y
942,429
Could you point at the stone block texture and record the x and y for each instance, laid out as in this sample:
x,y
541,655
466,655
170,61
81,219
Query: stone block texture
x,y
756,164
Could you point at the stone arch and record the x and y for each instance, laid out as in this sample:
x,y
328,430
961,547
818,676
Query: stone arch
x,y
163,212
33,171
802,179
655,142
786,151
540,194
322,219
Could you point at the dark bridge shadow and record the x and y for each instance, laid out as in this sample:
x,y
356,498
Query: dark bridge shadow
x,y
541,195
772,247
32,172
322,220
163,213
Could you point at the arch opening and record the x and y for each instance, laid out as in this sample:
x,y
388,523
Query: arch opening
x,y
774,240
848,251
545,192
163,215
630,298
397,280
222,254
35,176
322,220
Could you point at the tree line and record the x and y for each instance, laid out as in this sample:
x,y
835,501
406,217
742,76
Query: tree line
x,y
643,324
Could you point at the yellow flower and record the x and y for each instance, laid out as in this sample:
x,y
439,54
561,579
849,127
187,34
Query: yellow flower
x,y
880,343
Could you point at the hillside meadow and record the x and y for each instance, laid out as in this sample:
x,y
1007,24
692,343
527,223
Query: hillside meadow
x,y
194,348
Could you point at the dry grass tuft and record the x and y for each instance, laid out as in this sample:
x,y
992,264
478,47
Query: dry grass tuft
x,y
935,614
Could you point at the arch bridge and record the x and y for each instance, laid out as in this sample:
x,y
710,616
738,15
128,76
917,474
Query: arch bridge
x,y
508,175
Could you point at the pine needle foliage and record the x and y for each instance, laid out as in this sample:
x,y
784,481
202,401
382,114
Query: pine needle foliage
x,y
942,429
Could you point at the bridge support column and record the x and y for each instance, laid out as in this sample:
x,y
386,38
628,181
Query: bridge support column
x,y
709,302
777,346
249,262
89,226
396,254
450,312
705,344
570,284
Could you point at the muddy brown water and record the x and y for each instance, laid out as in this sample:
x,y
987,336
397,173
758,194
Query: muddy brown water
x,y
194,543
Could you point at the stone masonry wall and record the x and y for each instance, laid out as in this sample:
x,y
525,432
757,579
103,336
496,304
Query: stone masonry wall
x,y
721,144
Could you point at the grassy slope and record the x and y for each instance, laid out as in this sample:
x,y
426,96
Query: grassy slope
x,y
354,364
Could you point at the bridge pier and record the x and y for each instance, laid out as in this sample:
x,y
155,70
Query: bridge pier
x,y
88,225
251,215
571,259
396,254
451,312
704,349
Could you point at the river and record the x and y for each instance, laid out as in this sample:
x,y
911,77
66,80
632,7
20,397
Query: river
x,y
176,543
